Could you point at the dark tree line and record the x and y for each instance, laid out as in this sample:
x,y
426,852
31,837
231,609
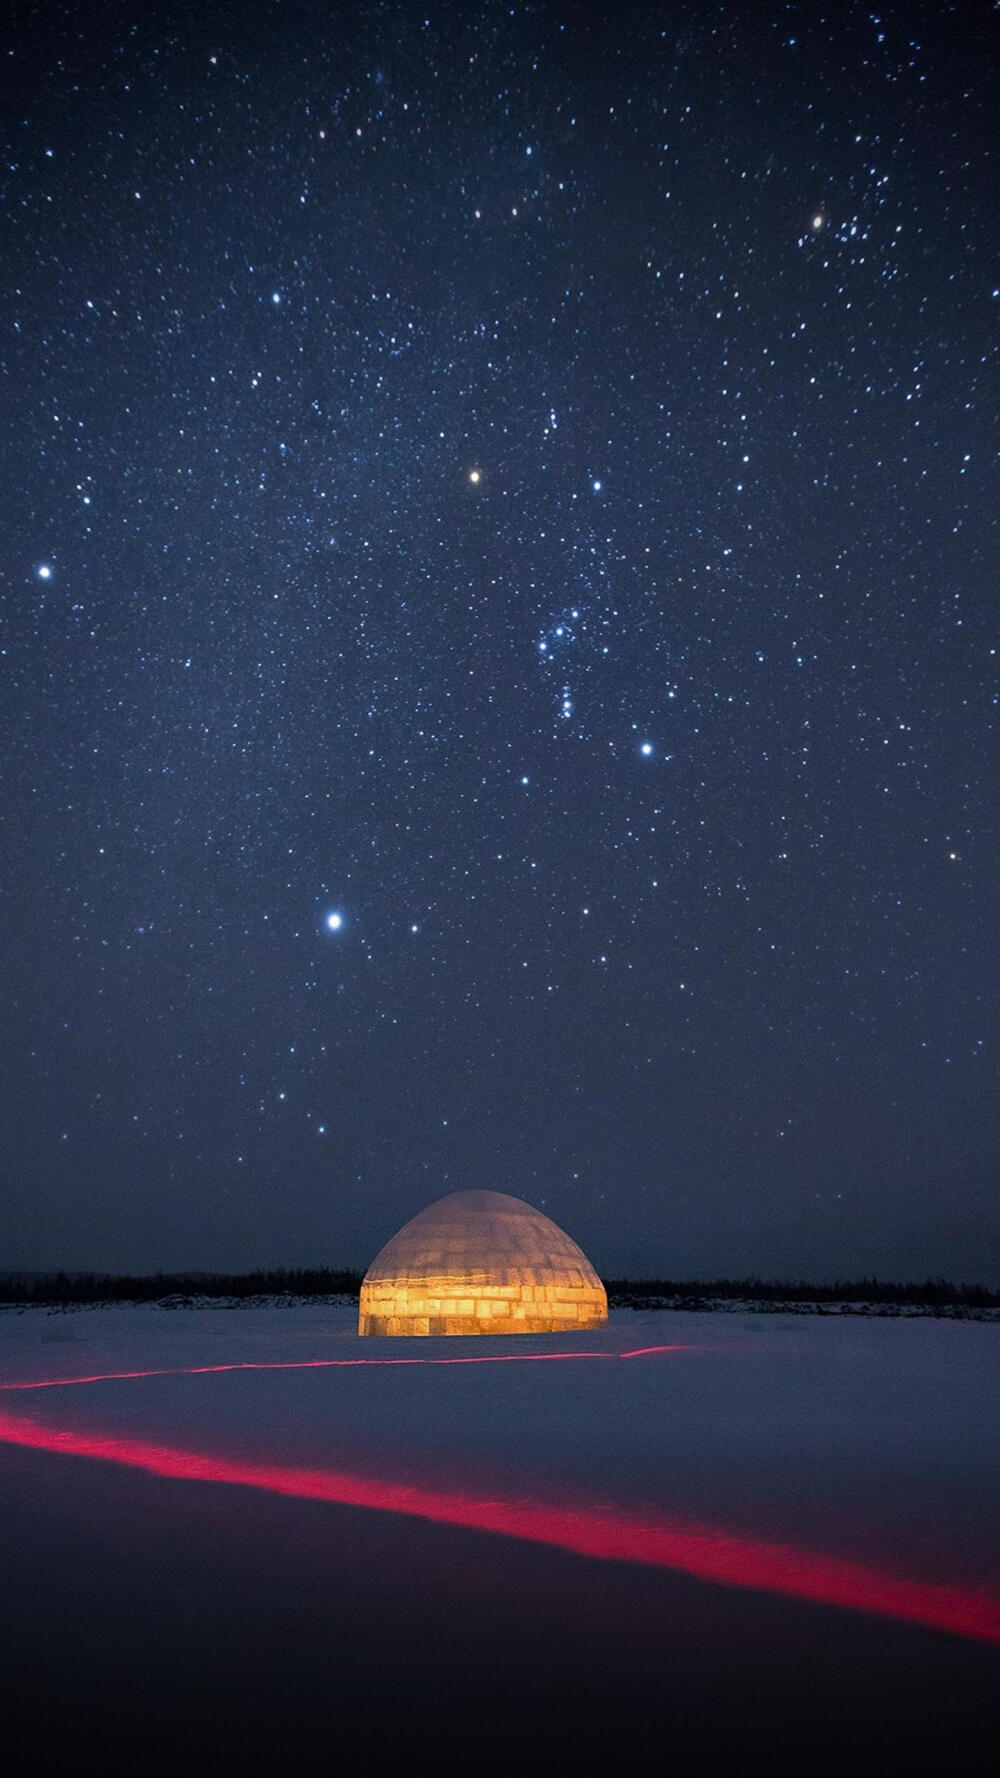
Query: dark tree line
x,y
97,1287
933,1293
64,1288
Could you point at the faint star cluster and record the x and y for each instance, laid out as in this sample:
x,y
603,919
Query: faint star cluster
x,y
499,631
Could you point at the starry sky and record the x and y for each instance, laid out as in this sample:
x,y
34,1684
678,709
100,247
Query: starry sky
x,y
498,532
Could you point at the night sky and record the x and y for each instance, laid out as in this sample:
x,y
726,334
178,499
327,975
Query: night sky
x,y
499,533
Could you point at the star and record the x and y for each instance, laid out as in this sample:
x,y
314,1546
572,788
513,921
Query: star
x,y
45,571
335,921
475,477
646,749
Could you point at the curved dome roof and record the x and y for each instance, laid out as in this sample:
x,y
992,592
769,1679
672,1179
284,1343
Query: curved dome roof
x,y
480,1262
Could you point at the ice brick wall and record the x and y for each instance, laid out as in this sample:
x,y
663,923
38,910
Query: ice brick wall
x,y
480,1262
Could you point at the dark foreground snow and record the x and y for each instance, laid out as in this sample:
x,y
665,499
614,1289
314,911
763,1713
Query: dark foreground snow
x,y
773,1545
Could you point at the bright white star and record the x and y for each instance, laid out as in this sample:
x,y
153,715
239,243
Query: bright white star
x,y
335,921
45,572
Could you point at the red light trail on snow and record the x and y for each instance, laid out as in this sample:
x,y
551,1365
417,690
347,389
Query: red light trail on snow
x,y
706,1553
314,1364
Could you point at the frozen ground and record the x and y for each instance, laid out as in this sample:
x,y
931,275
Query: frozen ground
x,y
266,1544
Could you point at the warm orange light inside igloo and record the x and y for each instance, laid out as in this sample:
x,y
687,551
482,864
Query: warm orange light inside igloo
x,y
480,1263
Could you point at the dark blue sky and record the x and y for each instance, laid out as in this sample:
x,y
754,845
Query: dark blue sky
x,y
523,479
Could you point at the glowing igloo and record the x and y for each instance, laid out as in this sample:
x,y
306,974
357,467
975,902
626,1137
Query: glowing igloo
x,y
480,1263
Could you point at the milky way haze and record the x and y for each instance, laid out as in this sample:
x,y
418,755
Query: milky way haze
x,y
500,679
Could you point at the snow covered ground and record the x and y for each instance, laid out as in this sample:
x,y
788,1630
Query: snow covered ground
x,y
731,1534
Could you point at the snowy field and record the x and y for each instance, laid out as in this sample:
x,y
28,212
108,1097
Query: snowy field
x,y
240,1538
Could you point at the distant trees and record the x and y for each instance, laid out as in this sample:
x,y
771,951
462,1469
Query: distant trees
x,y
65,1289
933,1293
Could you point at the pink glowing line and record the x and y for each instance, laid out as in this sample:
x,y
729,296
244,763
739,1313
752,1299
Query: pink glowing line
x,y
702,1551
644,1351
310,1364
